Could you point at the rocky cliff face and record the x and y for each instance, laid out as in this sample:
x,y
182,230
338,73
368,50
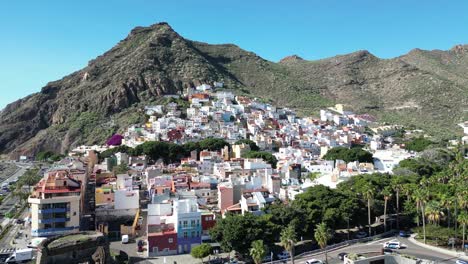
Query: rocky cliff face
x,y
425,88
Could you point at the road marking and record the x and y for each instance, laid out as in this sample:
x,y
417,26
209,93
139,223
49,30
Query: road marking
x,y
381,241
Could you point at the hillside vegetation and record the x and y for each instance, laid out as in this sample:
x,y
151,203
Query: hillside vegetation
x,y
425,89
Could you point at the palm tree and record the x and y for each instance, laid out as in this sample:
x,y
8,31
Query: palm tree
x,y
408,190
434,212
387,194
258,251
288,240
322,235
463,220
420,196
368,193
446,201
397,185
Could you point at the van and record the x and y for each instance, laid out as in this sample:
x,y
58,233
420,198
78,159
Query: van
x,y
125,239
21,255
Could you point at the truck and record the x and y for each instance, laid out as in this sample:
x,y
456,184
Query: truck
x,y
21,255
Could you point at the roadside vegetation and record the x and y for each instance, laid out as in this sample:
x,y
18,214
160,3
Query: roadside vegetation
x,y
429,193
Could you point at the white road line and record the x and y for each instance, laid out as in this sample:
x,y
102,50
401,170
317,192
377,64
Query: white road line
x,y
383,240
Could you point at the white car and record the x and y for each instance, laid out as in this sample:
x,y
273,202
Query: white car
x,y
283,255
314,261
392,245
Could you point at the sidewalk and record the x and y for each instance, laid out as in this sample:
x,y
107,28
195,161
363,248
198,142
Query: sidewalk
x,y
456,254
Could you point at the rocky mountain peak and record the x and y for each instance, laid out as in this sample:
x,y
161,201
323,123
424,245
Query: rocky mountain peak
x,y
460,49
291,58
88,106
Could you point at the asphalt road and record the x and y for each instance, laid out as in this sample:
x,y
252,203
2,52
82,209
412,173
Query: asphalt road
x,y
8,204
376,246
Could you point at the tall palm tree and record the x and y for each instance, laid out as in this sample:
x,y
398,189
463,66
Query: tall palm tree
x,y
258,251
446,201
288,240
397,186
322,235
387,194
409,192
463,220
420,196
434,212
368,194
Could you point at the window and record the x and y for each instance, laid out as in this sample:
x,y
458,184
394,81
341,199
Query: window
x,y
198,222
185,223
171,240
193,234
192,223
185,234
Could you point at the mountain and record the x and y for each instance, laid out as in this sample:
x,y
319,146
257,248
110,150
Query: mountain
x,y
427,89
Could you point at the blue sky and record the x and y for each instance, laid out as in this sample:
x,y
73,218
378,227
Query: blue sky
x,y
41,41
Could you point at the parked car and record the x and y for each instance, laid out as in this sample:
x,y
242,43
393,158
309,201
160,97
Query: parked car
x,y
125,239
342,255
314,261
403,233
461,261
361,234
283,255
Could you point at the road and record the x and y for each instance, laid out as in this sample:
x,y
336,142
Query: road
x,y
376,246
8,205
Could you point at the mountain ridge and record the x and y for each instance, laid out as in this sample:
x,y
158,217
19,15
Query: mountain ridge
x,y
90,104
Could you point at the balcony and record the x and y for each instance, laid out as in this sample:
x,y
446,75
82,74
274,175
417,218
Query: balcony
x,y
54,210
53,231
53,220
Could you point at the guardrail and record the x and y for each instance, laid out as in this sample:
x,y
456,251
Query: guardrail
x,y
335,246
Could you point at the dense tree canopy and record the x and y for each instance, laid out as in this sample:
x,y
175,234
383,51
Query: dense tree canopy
x,y
253,146
201,251
348,155
418,144
167,151
48,156
237,232
268,157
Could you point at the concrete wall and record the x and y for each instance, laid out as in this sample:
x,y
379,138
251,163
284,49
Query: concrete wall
x,y
76,252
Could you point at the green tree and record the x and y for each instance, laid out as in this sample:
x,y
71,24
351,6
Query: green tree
x,y
253,146
368,192
420,196
348,155
434,212
418,144
258,251
288,240
397,183
387,194
463,220
121,169
201,251
447,201
231,237
268,157
322,235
